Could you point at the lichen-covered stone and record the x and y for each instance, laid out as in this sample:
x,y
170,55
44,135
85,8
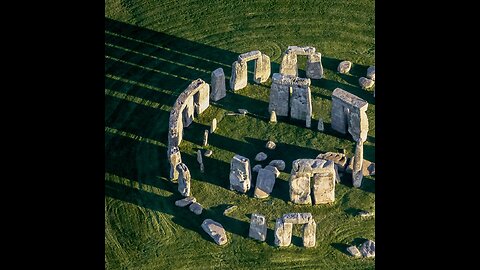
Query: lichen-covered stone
x,y
213,126
314,66
354,252
273,117
309,234
265,183
371,73
300,188
215,230
365,83
344,67
258,227
240,174
339,159
218,85
283,233
297,218
183,179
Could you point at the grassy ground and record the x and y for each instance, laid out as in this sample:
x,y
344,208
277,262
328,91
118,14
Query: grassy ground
x,y
153,50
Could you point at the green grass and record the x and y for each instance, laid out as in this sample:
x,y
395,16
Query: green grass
x,y
153,50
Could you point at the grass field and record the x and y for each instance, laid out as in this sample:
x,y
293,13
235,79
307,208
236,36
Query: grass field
x,y
153,50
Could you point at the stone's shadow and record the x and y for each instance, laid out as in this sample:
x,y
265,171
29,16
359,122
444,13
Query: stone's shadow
x,y
341,247
358,241
369,152
368,184
353,211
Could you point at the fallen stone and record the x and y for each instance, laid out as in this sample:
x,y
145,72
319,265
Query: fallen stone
x,y
297,218
215,230
368,167
273,169
371,73
261,156
213,126
279,164
270,145
339,159
365,214
242,111
273,117
185,201
309,232
283,233
258,227
265,183
230,210
365,83
344,67
217,84
353,251
320,125
240,174
205,138
208,153
367,249
196,208
256,168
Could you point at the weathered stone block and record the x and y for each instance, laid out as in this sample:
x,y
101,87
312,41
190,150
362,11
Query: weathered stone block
x,y
300,188
289,65
262,69
265,183
183,179
218,85
314,66
365,83
185,201
252,55
344,67
300,103
279,164
215,230
240,174
239,77
354,252
371,73
324,187
309,234
297,218
258,227
188,111
283,233
196,208
174,157
339,159
367,249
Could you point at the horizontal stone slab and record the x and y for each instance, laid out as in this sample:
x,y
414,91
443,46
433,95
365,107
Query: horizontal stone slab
x,y
306,50
249,56
297,218
290,80
349,98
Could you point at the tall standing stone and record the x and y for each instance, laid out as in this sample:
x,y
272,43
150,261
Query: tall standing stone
x,y
200,160
183,179
238,79
309,234
289,64
205,138
283,233
218,85
262,69
202,98
301,102
300,188
314,66
174,157
357,174
213,126
280,94
258,227
240,174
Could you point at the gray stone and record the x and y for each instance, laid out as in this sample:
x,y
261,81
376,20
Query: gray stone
x,y
273,169
261,156
208,153
339,159
337,175
279,164
357,172
300,188
297,218
280,94
200,160
215,230
289,64
262,69
174,157
183,179
196,208
309,234
258,227
213,126
314,66
242,111
256,168
230,210
265,183
324,186
205,138
298,50
367,249
354,252
218,85
320,125
371,73
249,56
270,145
344,67
368,167
365,83
283,233
238,80
349,114
240,174
301,103
273,117
185,201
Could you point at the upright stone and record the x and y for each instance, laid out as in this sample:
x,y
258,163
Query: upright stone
x,y
202,98
273,117
213,126
300,188
240,174
320,125
283,233
371,73
314,66
215,230
265,183
357,174
258,227
183,179
239,75
279,95
200,160
324,186
174,157
300,103
218,85
309,234
205,138
262,69
289,64
188,111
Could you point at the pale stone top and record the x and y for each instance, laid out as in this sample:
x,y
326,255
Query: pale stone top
x,y
279,78
218,72
249,56
350,99
311,166
297,218
306,50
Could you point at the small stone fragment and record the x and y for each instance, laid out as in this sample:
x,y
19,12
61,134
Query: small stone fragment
x,y
215,230
258,227
185,201
371,73
365,214
256,168
208,153
261,156
270,145
213,126
353,250
344,67
229,210
368,249
365,83
205,138
242,111
273,117
320,126
196,208
279,164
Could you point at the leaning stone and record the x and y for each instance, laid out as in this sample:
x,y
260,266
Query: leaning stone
x,y
208,153
256,168
365,83
261,156
196,208
353,251
185,201
215,230
217,84
270,145
229,210
339,159
273,169
240,174
320,126
283,233
371,73
258,227
344,67
368,249
205,138
279,164
213,127
265,183
309,234
273,117
297,218
242,111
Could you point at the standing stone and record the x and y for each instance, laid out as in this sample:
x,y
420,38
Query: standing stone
x,y
202,98
240,174
273,117
309,233
300,188
200,160
188,111
270,145
289,65
324,186
371,73
185,201
320,126
349,113
314,66
174,157
196,208
301,102
367,249
213,126
279,164
258,227
261,156
280,94
183,179
265,183
205,138
353,250
344,67
283,233
262,69
215,230
238,79
365,83
256,168
218,85
357,173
